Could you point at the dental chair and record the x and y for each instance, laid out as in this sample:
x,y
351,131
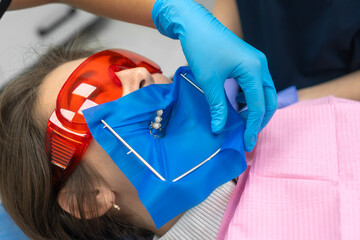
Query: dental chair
x,y
8,229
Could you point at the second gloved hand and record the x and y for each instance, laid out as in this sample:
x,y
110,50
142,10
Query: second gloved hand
x,y
214,54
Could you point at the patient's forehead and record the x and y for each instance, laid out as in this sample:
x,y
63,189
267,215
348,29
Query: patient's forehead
x,y
51,86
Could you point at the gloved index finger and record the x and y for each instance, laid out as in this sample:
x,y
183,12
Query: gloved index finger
x,y
215,95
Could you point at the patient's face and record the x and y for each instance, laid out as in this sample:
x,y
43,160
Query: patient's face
x,y
132,80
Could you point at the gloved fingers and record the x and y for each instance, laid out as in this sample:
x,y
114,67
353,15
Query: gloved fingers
x,y
270,96
244,113
254,95
270,105
218,107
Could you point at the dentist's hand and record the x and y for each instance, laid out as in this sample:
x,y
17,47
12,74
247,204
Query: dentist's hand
x,y
214,54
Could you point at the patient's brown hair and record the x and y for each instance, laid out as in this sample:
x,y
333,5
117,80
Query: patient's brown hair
x,y
25,173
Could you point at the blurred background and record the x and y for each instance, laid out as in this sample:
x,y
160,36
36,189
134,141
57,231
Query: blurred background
x,y
27,33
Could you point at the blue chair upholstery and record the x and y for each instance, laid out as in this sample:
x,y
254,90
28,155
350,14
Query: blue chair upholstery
x,y
8,229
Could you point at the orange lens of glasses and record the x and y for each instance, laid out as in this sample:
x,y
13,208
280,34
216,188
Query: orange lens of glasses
x,y
92,83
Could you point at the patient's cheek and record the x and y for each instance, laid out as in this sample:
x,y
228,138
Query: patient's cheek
x,y
161,79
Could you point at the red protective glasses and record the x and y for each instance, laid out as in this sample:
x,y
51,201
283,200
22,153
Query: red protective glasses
x,y
93,82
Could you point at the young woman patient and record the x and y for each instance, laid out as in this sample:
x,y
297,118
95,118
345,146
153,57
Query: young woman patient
x,y
95,201
305,159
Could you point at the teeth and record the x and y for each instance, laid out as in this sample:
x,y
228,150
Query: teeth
x,y
156,125
159,112
158,119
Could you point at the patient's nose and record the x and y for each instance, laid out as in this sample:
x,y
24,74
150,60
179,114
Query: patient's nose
x,y
134,79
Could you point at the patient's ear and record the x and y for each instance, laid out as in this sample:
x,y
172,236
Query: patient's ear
x,y
105,198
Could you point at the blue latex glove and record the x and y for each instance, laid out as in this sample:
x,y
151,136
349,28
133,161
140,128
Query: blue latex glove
x,y
214,54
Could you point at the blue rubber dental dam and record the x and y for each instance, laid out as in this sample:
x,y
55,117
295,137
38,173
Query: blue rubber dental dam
x,y
160,137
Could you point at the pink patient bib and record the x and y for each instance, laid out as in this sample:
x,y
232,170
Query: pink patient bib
x,y
304,178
